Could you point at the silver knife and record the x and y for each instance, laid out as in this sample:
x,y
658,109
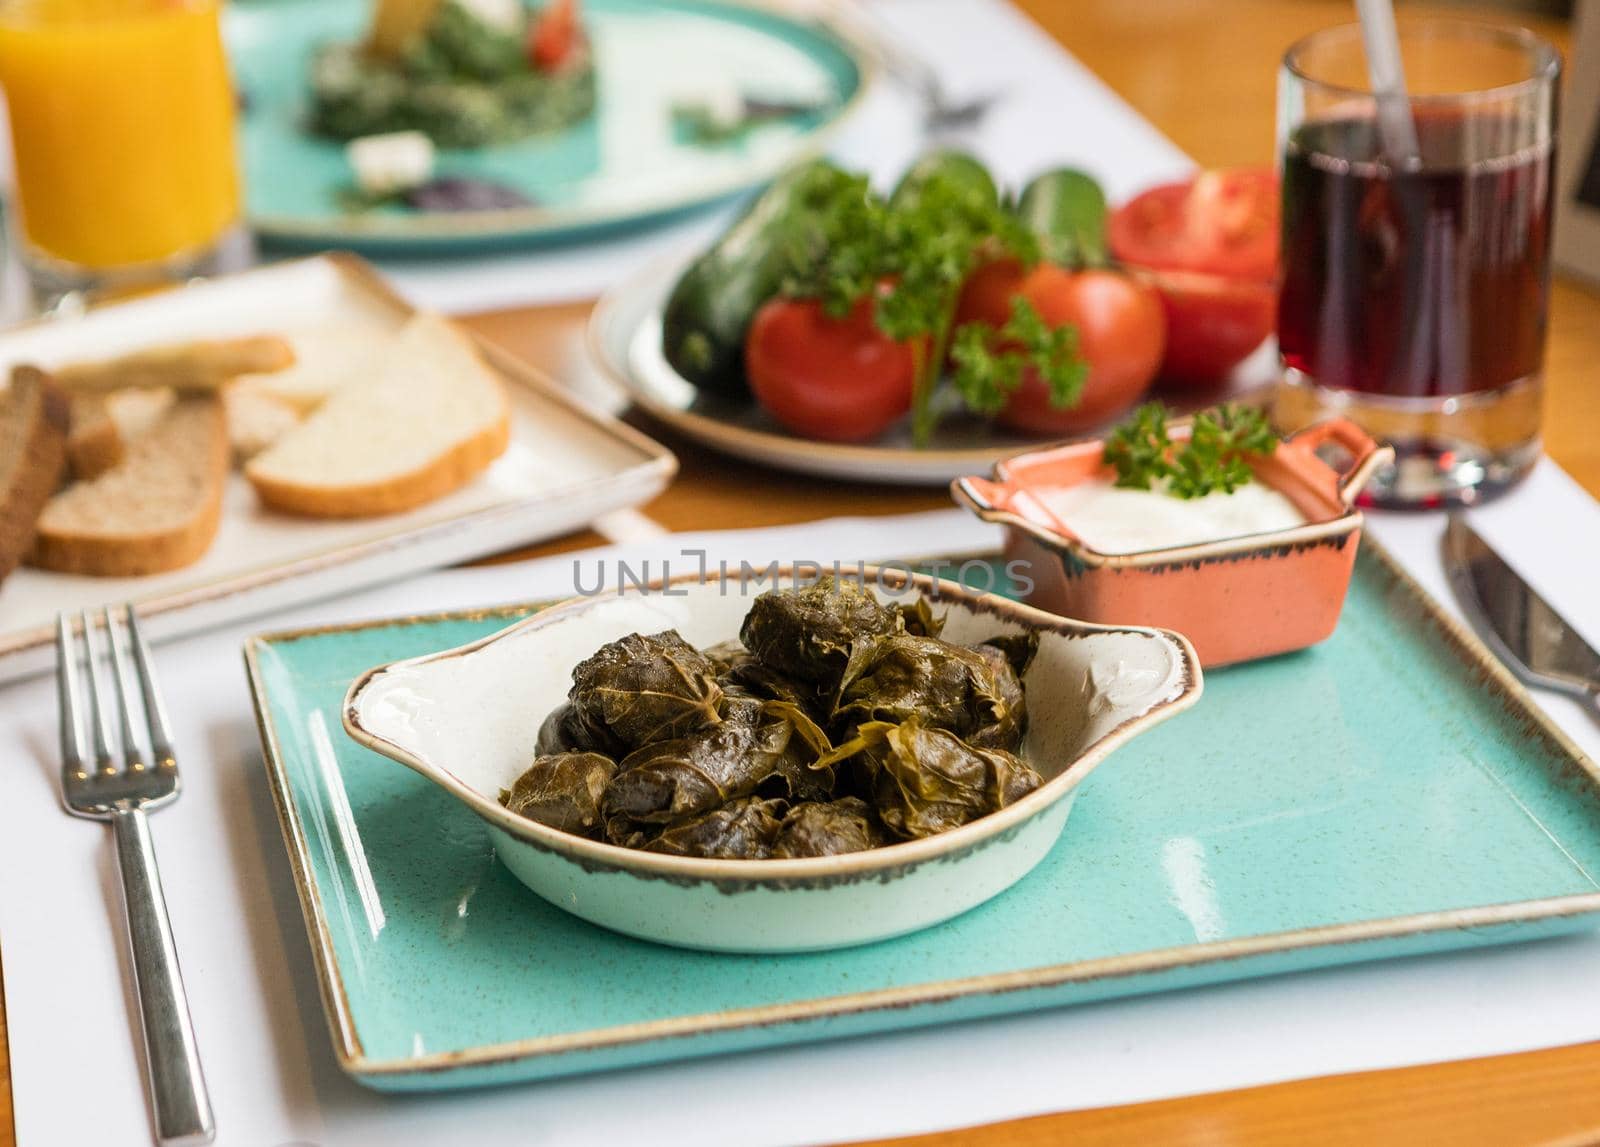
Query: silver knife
x,y
1534,641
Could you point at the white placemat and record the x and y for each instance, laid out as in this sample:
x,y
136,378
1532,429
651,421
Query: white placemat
x,y
267,1051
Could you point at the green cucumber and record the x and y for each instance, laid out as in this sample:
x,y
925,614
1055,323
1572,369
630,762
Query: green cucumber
x,y
711,307
1066,209
956,168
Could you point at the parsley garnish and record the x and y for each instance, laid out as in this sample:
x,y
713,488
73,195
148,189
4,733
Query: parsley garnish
x,y
990,364
1215,457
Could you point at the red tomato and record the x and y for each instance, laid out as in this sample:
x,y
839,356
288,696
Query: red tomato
x,y
1210,246
555,36
1121,334
840,380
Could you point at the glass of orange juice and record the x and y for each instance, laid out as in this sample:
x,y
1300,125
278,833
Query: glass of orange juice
x,y
122,132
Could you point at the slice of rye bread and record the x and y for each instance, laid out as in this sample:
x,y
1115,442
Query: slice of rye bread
x,y
431,419
102,425
155,510
33,457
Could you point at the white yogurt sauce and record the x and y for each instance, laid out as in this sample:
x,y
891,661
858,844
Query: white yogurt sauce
x,y
1118,521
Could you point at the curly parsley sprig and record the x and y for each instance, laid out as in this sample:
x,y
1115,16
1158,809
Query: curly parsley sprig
x,y
1215,456
990,364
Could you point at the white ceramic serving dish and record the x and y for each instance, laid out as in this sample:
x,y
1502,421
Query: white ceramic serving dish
x,y
567,464
467,719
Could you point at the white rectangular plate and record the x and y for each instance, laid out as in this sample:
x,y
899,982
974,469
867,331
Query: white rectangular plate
x,y
567,465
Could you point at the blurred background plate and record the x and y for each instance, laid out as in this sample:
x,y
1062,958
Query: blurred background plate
x,y
629,163
625,344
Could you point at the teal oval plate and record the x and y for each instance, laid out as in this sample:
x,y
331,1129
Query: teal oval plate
x,y
631,162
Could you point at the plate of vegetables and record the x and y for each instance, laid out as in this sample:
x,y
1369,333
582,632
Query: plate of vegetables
x,y
913,335
779,763
454,124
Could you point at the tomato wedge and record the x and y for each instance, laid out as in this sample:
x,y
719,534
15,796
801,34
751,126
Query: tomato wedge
x,y
1210,247
1220,223
835,379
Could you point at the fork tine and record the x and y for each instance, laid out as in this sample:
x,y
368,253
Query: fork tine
x,y
155,712
69,701
132,757
99,719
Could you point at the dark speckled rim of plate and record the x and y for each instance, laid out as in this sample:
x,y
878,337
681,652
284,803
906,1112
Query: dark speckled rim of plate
x,y
379,231
1494,677
876,862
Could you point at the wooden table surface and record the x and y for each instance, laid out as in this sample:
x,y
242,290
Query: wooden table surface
x,y
1203,71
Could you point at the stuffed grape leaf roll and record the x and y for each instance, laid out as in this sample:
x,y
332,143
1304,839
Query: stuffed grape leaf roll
x,y
742,829
639,690
807,632
925,780
943,685
563,790
817,828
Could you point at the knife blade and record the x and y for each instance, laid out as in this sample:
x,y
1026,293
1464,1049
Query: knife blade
x,y
1534,641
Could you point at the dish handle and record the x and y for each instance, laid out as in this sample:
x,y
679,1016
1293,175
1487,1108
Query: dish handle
x,y
988,499
1004,503
1366,453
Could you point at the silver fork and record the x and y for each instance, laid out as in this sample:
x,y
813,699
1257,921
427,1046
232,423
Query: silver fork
x,y
94,784
942,113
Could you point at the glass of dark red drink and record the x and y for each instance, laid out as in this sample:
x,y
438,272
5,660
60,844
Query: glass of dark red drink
x,y
1415,282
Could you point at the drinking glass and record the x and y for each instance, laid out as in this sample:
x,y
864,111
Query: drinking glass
x,y
1415,288
122,133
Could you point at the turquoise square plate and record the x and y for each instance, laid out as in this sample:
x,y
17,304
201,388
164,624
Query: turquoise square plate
x,y
1390,792
626,164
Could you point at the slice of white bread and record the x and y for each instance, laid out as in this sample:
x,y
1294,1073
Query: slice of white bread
x,y
431,419
255,421
201,365
33,455
155,510
325,360
104,424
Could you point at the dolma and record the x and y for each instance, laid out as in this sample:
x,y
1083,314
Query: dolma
x,y
554,734
1019,649
688,776
827,829
725,656
807,632
563,732
625,833
797,743
918,617
639,690
947,686
563,791
754,678
1006,733
925,780
742,829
